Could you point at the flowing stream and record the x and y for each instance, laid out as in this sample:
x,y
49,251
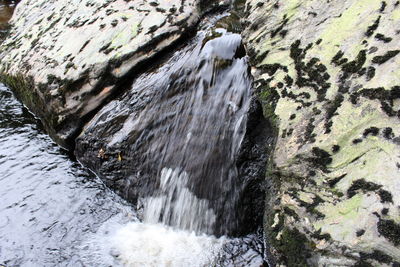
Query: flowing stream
x,y
54,212
194,126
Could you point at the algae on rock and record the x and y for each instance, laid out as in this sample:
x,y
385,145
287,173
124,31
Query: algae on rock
x,y
76,55
327,73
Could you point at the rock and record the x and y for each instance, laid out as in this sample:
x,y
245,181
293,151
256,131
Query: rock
x,y
73,64
188,115
66,59
6,11
327,74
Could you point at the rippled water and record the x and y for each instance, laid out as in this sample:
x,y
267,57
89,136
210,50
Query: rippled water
x,y
49,204
54,213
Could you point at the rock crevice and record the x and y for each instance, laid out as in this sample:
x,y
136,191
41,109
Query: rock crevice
x,y
74,57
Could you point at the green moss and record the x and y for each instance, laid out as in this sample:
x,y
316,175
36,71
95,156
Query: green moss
x,y
290,7
25,92
295,248
269,98
354,16
125,36
396,14
345,210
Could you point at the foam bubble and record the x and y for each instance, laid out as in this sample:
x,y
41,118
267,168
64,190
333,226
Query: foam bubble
x,y
137,244
159,246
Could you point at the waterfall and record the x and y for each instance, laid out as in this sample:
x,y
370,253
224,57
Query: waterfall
x,y
176,205
194,127
183,125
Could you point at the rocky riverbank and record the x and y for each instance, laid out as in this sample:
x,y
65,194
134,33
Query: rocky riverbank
x,y
327,74
110,87
65,60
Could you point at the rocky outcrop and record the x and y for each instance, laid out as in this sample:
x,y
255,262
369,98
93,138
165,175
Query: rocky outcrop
x,y
92,72
66,59
327,73
187,116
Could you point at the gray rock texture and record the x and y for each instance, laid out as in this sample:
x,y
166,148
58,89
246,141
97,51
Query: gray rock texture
x,y
327,73
122,85
65,59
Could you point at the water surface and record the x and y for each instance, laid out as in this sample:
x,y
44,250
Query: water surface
x,y
49,204
55,213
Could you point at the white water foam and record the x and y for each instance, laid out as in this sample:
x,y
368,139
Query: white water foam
x,y
136,244
177,206
156,245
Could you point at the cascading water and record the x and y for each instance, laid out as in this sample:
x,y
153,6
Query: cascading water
x,y
183,130
178,132
176,205
198,124
173,144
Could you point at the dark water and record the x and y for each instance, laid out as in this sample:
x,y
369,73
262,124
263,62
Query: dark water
x,y
54,213
49,204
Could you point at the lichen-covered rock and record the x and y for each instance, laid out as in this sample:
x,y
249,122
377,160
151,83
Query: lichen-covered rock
x,y
327,73
73,55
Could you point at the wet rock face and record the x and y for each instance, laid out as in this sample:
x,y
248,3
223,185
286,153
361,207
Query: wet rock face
x,y
327,73
71,56
72,65
189,117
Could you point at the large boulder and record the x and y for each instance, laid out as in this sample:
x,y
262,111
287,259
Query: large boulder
x,y
328,75
65,59
105,81
188,118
